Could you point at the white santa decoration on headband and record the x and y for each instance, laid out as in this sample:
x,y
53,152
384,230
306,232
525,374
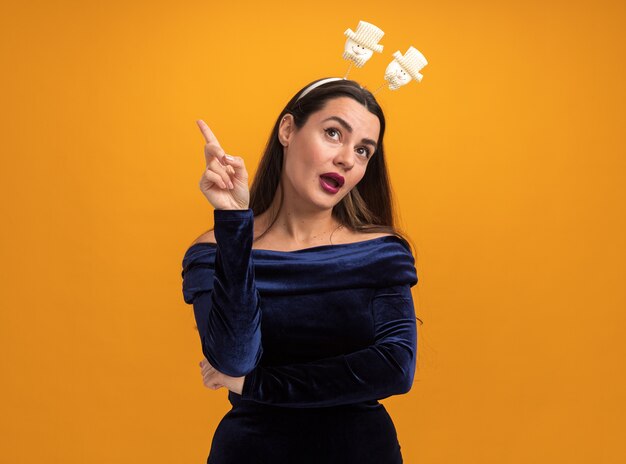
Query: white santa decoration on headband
x,y
362,44
405,68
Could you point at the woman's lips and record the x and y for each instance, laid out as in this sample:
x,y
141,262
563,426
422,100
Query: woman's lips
x,y
326,185
334,176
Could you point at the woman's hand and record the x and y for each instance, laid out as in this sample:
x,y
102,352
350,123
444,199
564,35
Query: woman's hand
x,y
225,180
214,379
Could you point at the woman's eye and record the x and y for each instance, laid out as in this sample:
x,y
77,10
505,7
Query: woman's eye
x,y
332,132
364,151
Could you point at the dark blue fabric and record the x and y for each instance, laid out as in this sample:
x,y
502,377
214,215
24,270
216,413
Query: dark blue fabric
x,y
326,331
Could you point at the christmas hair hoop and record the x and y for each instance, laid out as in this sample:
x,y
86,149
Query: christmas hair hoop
x,y
360,46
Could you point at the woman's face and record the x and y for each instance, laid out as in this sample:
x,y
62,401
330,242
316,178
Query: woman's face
x,y
336,141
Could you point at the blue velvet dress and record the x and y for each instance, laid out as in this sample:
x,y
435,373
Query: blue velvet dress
x,y
320,334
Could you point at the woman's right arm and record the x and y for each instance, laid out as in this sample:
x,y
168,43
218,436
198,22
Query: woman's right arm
x,y
229,316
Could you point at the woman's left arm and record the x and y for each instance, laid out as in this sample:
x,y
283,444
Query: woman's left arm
x,y
383,369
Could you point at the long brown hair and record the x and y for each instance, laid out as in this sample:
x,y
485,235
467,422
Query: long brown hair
x,y
368,207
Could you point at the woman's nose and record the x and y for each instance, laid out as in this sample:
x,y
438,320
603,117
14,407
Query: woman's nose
x,y
345,157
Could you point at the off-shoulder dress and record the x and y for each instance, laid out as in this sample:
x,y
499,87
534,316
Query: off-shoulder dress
x,y
320,334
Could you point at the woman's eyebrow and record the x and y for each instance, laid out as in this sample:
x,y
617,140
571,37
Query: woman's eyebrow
x,y
348,127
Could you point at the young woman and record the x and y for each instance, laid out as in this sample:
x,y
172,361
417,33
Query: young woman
x,y
301,292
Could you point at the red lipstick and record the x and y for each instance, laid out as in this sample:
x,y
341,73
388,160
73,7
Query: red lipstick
x,y
331,182
336,177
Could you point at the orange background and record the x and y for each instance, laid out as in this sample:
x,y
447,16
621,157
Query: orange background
x,y
508,165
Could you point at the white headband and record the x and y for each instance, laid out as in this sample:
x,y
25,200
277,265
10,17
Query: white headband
x,y
315,85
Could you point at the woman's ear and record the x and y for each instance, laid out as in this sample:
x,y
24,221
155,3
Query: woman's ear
x,y
285,129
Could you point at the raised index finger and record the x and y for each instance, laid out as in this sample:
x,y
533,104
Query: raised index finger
x,y
207,133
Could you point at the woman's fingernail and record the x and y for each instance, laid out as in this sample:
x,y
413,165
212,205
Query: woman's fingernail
x,y
230,184
231,158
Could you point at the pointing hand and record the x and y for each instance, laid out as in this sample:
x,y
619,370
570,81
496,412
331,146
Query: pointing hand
x,y
225,180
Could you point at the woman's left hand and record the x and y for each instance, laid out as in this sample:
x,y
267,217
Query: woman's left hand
x,y
214,379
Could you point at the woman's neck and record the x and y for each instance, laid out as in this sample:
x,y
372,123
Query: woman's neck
x,y
296,227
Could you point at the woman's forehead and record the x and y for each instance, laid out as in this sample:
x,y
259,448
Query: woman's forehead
x,y
346,104
351,111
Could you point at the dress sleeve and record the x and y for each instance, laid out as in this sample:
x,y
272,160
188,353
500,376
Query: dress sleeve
x,y
385,368
228,316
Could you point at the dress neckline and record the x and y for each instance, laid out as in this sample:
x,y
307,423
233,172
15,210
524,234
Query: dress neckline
x,y
314,248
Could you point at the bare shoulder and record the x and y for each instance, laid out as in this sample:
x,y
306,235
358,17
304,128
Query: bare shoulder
x,y
207,237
